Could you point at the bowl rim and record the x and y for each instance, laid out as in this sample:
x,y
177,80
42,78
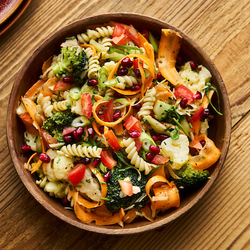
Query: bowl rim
x,y
106,230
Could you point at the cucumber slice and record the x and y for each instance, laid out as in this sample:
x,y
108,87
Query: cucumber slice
x,y
116,57
160,109
103,168
121,103
156,125
87,89
102,77
99,47
80,121
153,41
75,93
147,141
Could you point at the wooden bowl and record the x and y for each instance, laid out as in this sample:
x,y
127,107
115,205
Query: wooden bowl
x,y
219,132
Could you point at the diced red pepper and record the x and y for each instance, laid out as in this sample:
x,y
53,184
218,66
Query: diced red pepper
x,y
107,159
68,130
133,123
108,111
112,140
196,114
183,91
159,159
86,105
138,146
62,86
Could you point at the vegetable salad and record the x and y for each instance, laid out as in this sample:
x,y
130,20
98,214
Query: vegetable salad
x,y
116,125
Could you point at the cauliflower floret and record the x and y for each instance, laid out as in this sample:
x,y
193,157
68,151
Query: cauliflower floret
x,y
77,107
195,81
176,150
62,165
89,185
31,140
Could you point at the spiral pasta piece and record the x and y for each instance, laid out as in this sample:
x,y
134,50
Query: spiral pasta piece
x,y
105,41
134,157
45,103
42,182
62,105
109,93
94,64
125,81
94,34
148,104
81,151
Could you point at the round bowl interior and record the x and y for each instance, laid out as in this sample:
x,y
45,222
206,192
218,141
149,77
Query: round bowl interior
x,y
219,132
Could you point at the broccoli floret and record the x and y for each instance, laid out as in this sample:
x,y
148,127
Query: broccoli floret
x,y
56,123
114,201
73,63
191,179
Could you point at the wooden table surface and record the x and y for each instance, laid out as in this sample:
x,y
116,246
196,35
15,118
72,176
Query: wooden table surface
x,y
221,219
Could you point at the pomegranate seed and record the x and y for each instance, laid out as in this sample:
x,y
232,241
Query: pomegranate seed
x,y
134,133
96,162
154,149
68,79
193,151
76,136
91,132
118,95
197,96
149,157
80,130
117,114
179,60
203,142
162,137
86,160
65,201
159,77
26,148
137,72
127,62
183,103
92,82
122,72
154,137
193,66
68,138
44,158
135,87
101,129
138,106
204,114
106,176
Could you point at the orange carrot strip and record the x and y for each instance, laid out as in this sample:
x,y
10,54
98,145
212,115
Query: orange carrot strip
x,y
46,64
28,123
31,108
169,46
34,88
36,166
207,156
95,127
158,181
160,171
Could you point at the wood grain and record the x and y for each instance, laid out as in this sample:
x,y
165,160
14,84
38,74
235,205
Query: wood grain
x,y
221,219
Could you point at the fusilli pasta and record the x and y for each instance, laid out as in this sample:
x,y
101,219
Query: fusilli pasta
x,y
134,157
81,151
148,104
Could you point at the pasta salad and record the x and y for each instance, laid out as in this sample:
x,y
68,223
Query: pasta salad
x,y
117,123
